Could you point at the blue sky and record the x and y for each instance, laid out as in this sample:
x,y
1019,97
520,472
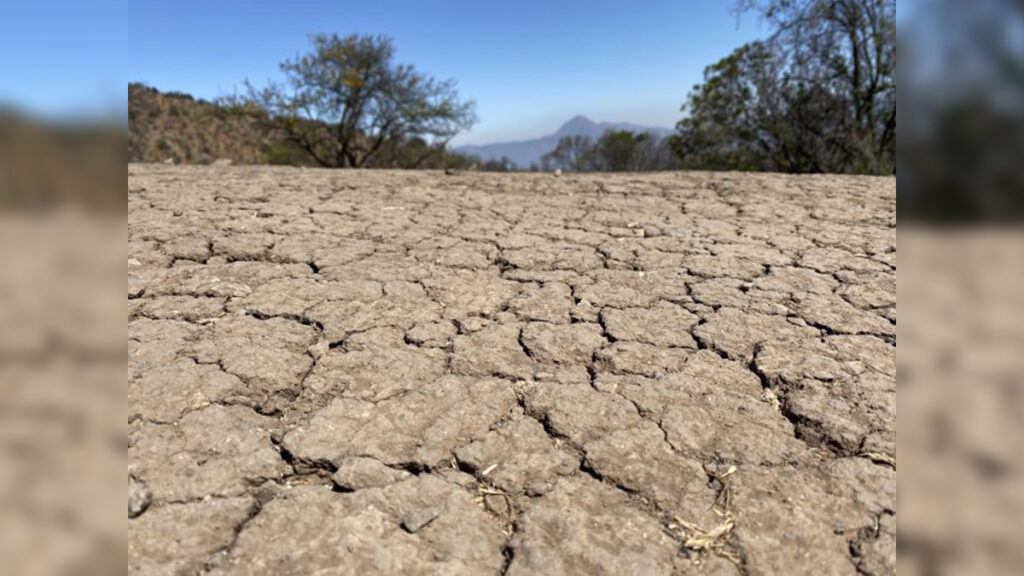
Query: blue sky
x,y
530,65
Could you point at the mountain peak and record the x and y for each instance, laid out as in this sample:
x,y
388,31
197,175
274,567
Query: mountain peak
x,y
577,125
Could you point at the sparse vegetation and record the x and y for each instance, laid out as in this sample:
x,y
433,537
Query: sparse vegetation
x,y
188,130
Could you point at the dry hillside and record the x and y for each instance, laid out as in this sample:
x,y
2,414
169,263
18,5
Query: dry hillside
x,y
176,126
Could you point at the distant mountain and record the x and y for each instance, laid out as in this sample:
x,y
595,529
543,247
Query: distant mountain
x,y
526,152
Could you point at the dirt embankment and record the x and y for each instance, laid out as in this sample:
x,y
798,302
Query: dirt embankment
x,y
412,373
171,126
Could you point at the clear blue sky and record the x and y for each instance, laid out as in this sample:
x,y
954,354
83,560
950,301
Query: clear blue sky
x,y
529,64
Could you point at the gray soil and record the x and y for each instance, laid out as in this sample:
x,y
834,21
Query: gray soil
x,y
372,372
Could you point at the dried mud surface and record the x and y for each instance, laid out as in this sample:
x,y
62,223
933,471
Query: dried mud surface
x,y
417,373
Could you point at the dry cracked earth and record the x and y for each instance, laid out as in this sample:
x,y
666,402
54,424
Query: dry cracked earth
x,y
352,372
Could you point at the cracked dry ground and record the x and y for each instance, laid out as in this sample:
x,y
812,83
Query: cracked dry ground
x,y
361,372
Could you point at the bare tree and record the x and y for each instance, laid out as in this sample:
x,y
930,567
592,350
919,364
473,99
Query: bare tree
x,y
572,154
625,151
654,153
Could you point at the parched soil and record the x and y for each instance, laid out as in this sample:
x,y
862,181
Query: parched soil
x,y
370,372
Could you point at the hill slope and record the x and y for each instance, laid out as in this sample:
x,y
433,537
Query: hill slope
x,y
176,126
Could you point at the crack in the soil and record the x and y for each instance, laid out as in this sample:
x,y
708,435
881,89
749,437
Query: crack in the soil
x,y
515,233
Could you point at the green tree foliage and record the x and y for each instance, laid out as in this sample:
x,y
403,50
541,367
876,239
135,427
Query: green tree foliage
x,y
346,103
817,96
616,151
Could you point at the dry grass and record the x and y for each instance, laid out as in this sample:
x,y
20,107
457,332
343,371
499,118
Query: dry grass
x,y
715,540
486,492
879,458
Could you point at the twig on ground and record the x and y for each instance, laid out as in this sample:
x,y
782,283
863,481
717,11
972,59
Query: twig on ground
x,y
486,491
880,458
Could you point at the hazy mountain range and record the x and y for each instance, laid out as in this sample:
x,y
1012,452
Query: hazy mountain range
x,y
526,152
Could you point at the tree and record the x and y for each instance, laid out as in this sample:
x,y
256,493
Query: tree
x,y
572,154
622,150
616,150
817,96
654,153
739,118
849,48
346,102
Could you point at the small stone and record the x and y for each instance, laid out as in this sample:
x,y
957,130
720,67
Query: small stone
x,y
414,520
